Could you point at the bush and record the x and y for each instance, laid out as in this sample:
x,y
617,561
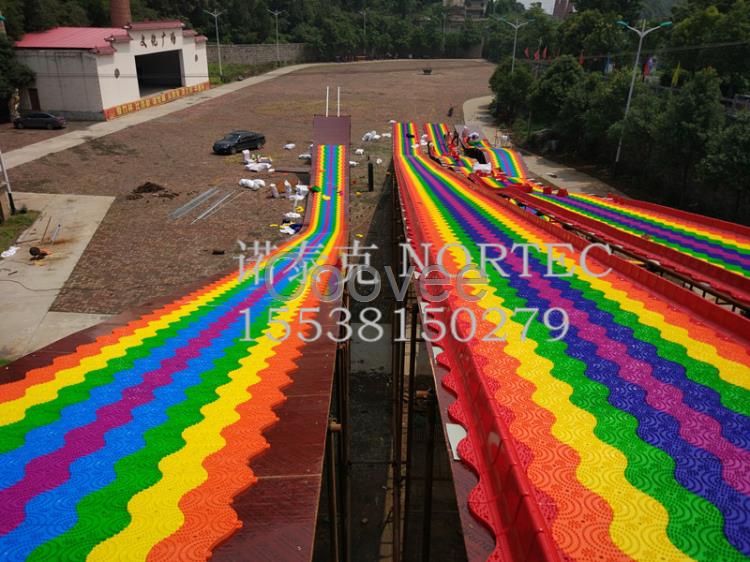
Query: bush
x,y
233,71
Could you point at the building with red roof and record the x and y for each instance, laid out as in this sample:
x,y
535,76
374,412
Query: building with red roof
x,y
97,73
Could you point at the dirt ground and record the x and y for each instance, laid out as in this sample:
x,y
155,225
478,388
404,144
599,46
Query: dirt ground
x,y
138,251
12,138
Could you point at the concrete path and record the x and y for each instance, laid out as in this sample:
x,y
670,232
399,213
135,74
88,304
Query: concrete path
x,y
74,138
28,288
477,114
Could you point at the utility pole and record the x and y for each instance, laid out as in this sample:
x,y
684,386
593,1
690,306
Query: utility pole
x,y
642,32
364,29
443,43
218,43
276,14
5,189
516,26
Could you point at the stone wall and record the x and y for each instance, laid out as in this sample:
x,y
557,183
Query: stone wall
x,y
260,53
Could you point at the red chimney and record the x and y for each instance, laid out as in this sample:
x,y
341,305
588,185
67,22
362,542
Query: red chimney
x,y
119,13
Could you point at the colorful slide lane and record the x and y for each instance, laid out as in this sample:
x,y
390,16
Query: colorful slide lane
x,y
508,167
135,446
728,248
439,149
717,242
507,161
677,239
727,283
626,439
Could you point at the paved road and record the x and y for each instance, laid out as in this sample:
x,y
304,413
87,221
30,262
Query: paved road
x,y
476,112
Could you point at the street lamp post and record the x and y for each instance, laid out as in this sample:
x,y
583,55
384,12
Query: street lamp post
x,y
276,14
218,43
516,26
642,32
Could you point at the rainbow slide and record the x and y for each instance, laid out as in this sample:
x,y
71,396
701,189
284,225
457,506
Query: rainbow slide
x,y
436,133
507,165
723,245
507,161
727,246
625,436
134,446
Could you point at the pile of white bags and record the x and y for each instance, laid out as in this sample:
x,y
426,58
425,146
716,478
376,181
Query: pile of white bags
x,y
359,151
289,146
255,185
258,167
370,136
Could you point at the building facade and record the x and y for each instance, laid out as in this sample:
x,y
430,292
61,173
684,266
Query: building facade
x,y
97,73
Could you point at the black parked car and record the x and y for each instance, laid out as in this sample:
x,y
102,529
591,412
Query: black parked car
x,y
39,120
239,140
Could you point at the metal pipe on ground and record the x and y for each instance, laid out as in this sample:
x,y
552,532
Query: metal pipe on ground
x,y
207,212
192,204
237,194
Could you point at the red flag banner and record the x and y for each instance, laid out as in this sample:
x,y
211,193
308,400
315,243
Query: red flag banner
x,y
544,53
526,52
536,55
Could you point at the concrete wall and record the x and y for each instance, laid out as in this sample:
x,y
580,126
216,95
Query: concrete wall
x,y
194,62
80,85
118,78
67,82
117,91
260,53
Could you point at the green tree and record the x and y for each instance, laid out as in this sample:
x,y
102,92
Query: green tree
x,y
511,90
626,9
591,33
542,30
641,131
40,14
548,94
695,43
726,165
13,74
592,106
14,17
691,117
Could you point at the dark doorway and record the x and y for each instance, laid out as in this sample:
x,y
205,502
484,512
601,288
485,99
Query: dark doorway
x,y
4,110
34,99
158,72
